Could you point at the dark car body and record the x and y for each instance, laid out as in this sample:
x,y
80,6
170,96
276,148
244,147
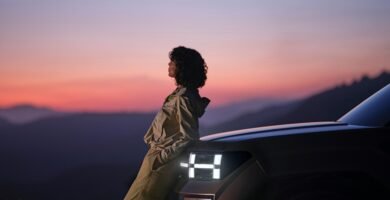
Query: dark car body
x,y
344,159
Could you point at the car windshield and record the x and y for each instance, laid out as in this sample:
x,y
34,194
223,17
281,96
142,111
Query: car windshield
x,y
374,111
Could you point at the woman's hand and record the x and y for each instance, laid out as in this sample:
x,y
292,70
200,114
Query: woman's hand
x,y
154,154
156,164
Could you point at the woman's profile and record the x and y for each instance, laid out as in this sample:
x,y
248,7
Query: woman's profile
x,y
174,128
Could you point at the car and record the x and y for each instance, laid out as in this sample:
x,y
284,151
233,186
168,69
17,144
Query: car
x,y
344,159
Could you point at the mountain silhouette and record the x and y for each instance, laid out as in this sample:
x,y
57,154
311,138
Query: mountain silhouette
x,y
38,152
327,105
230,111
4,123
25,113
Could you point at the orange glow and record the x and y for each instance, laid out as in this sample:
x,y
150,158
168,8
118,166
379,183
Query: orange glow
x,y
78,59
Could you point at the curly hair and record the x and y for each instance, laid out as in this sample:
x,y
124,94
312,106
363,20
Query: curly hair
x,y
191,69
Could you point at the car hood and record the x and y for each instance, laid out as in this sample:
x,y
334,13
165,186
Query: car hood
x,y
278,130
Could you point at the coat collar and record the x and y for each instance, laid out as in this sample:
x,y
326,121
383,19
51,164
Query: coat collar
x,y
180,90
199,103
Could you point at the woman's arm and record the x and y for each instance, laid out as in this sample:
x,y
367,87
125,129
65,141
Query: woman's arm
x,y
188,130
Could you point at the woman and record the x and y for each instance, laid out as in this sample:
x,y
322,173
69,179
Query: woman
x,y
174,128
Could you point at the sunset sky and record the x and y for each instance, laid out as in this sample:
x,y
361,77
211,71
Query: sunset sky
x,y
100,55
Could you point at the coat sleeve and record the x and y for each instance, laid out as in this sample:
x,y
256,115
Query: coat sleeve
x,y
188,130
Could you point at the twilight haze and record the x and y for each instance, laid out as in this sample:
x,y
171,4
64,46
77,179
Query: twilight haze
x,y
100,55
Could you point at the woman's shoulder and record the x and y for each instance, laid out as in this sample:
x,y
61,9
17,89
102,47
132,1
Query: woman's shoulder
x,y
185,92
181,95
175,96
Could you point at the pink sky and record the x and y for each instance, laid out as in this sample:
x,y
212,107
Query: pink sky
x,y
110,56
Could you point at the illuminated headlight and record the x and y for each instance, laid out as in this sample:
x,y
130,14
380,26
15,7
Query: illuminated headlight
x,y
208,166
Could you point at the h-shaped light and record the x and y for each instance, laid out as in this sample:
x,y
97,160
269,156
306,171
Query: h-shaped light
x,y
215,166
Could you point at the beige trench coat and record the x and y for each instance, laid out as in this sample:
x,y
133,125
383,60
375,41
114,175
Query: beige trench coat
x,y
174,129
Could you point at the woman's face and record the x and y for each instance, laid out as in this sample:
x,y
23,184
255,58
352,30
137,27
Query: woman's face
x,y
171,69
